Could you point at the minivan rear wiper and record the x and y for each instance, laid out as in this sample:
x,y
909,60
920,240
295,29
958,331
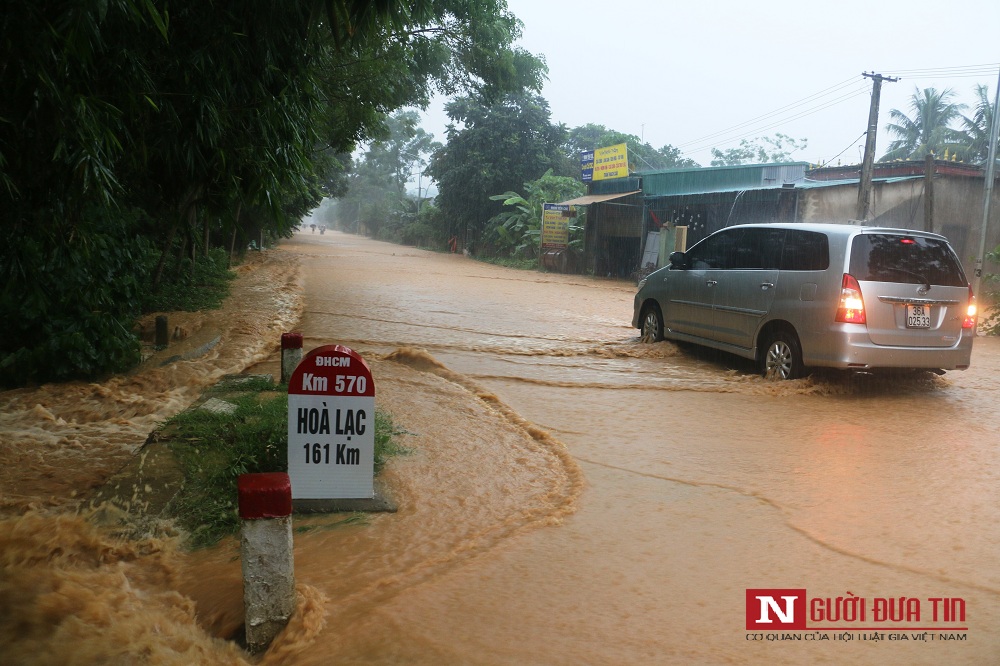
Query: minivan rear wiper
x,y
921,279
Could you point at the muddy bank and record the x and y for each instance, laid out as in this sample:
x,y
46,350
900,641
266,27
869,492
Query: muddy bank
x,y
74,589
59,442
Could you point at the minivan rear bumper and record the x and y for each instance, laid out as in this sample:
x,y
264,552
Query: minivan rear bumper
x,y
849,346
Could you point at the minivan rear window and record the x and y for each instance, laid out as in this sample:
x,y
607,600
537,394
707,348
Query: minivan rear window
x,y
906,260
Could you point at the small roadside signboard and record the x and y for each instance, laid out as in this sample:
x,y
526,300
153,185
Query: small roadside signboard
x,y
331,425
555,225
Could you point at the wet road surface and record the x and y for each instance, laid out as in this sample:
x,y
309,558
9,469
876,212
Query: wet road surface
x,y
572,495
701,480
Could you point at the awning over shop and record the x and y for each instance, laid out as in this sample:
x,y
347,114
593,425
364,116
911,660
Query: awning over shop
x,y
596,198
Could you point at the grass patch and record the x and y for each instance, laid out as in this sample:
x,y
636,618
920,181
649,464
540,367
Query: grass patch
x,y
215,449
520,264
387,440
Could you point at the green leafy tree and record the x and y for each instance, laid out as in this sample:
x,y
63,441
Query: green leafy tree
x,y
378,184
195,126
517,230
461,46
669,157
977,128
642,156
762,150
929,129
68,304
429,230
492,147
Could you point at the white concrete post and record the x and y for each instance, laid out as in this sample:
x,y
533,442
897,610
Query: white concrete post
x,y
291,354
265,502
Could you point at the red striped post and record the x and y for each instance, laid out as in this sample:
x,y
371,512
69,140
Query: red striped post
x,y
291,354
265,502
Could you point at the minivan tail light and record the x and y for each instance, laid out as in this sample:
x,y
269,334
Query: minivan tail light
x,y
970,311
852,305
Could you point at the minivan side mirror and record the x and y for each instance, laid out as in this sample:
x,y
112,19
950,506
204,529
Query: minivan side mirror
x,y
678,260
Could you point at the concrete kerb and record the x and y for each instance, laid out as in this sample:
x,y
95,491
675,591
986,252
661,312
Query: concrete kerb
x,y
194,353
382,502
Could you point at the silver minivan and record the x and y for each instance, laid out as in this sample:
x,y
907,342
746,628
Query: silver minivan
x,y
795,296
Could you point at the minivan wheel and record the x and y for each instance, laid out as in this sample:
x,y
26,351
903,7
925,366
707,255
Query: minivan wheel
x,y
652,324
782,358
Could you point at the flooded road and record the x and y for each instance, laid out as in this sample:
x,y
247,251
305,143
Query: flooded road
x,y
574,496
700,480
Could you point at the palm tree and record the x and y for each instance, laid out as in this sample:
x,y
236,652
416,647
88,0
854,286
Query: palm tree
x,y
929,130
977,128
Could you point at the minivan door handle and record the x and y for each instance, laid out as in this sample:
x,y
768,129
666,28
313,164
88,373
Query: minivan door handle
x,y
764,286
711,283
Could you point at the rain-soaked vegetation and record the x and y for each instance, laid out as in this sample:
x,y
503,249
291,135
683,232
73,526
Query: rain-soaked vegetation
x,y
136,135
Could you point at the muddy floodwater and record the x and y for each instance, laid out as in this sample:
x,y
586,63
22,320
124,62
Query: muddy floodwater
x,y
571,494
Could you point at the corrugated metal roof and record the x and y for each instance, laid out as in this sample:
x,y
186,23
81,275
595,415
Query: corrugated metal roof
x,y
816,184
717,180
704,180
898,168
595,198
616,185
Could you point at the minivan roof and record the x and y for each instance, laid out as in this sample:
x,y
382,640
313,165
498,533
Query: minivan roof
x,y
841,229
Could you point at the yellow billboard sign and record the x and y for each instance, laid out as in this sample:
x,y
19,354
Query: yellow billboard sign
x,y
611,162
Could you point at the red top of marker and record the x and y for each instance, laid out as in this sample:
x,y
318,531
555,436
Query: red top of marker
x,y
291,340
267,495
332,370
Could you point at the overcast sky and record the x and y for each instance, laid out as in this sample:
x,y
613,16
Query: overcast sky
x,y
702,74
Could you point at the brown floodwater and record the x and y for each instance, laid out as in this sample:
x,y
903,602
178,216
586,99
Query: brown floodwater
x,y
571,495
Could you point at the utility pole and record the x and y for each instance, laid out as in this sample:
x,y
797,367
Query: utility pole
x,y
991,163
929,192
865,187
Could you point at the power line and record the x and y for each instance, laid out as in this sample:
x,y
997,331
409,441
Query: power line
x,y
753,126
778,123
963,70
777,112
845,149
756,130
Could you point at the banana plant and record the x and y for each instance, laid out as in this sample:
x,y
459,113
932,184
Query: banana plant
x,y
517,231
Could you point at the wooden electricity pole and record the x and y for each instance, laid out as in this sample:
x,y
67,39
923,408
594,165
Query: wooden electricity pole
x,y
991,164
929,192
865,187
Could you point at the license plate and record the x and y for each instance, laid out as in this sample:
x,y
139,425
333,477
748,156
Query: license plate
x,y
918,316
